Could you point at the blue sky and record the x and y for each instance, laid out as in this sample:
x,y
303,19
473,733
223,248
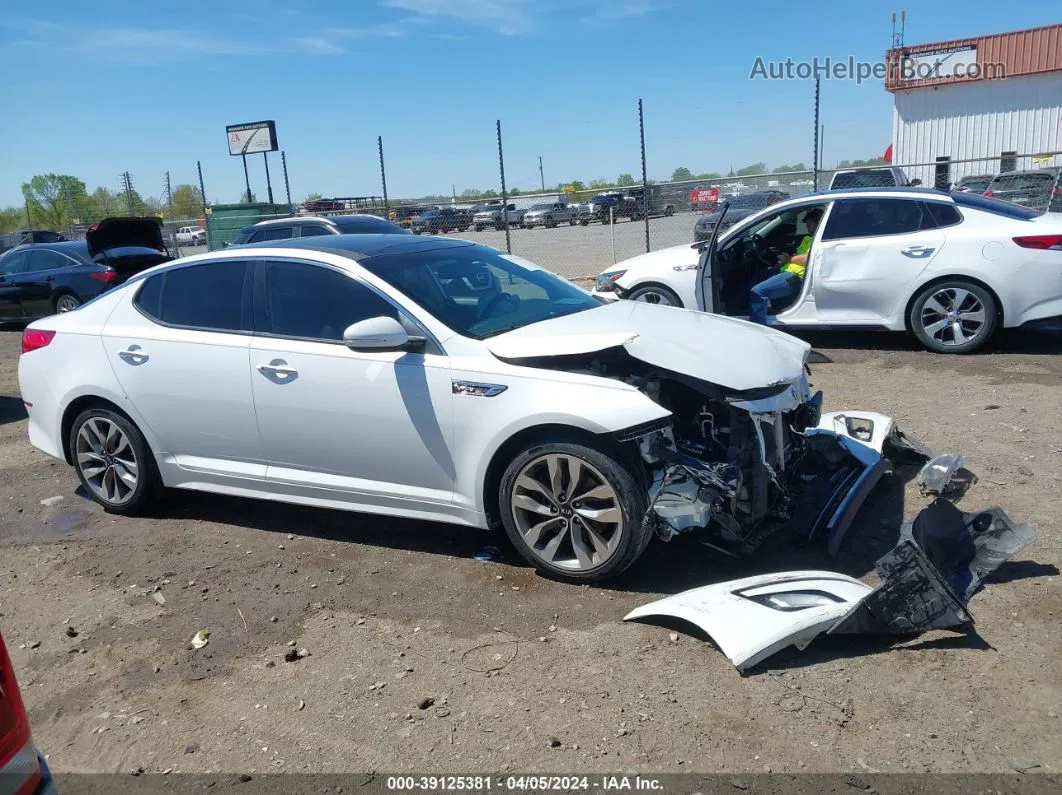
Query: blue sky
x,y
94,89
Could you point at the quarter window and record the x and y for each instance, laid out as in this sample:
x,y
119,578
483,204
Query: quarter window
x,y
209,296
271,233
943,214
312,302
313,231
874,217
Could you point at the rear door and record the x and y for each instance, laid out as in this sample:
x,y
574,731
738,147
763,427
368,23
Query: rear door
x,y
179,349
870,251
11,267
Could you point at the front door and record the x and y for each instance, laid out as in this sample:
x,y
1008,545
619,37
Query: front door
x,y
871,250
179,350
11,267
368,428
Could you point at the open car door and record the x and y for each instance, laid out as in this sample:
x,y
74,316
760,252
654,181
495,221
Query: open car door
x,y
707,284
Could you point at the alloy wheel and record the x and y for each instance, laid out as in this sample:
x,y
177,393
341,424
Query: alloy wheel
x,y
107,460
651,296
66,303
953,316
566,512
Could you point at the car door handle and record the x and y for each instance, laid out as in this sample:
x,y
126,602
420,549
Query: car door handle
x,y
134,354
279,368
917,252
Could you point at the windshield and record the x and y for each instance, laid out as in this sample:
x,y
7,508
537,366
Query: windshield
x,y
479,292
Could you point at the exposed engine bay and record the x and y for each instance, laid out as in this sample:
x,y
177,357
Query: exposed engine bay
x,y
735,467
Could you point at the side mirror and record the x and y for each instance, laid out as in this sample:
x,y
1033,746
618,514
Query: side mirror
x,y
380,334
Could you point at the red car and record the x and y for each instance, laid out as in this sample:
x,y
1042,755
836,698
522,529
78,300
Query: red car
x,y
23,770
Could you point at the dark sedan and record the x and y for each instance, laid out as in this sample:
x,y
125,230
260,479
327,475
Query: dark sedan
x,y
441,219
41,279
740,207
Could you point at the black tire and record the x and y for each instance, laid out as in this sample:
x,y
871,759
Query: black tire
x,y
571,222
148,487
640,293
627,487
550,223
669,211
924,320
584,223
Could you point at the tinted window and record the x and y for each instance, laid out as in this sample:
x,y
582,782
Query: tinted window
x,y
943,214
304,300
14,263
208,296
271,233
313,231
44,260
367,225
873,217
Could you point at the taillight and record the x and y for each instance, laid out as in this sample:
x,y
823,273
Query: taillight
x,y
14,730
1042,242
36,338
988,193
106,276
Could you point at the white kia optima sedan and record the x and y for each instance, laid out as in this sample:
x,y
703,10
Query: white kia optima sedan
x,y
442,380
950,268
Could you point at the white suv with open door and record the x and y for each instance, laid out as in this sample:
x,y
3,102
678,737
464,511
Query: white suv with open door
x,y
950,268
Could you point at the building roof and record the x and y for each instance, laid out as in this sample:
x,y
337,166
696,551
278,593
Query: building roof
x,y
1020,52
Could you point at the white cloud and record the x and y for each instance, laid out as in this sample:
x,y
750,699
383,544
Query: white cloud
x,y
508,17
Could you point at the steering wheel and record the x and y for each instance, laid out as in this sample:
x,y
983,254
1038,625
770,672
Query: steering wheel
x,y
763,252
495,302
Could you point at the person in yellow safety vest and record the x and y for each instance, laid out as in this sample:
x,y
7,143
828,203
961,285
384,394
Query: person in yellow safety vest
x,y
785,286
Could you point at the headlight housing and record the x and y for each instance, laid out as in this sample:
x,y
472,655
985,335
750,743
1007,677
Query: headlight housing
x,y
606,282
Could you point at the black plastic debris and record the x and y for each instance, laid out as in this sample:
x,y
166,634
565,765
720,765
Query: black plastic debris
x,y
942,558
903,449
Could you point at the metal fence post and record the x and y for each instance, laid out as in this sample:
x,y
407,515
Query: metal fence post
x,y
246,177
504,195
383,173
815,174
284,164
269,184
202,189
645,180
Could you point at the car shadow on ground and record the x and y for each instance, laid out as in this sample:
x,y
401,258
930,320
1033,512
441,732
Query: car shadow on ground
x,y
1026,341
12,409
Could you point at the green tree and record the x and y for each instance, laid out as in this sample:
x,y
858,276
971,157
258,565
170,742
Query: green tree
x,y
709,175
471,193
55,200
244,200
187,202
152,206
680,174
12,219
786,167
751,170
600,183
625,180
101,204
514,192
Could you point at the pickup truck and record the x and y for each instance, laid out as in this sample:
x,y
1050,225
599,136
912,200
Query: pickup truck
x,y
492,216
549,215
191,236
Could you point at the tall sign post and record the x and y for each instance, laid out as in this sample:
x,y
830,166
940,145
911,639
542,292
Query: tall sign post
x,y
251,138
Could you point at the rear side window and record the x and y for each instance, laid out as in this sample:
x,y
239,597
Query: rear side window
x,y
874,217
272,233
312,302
211,296
942,214
313,231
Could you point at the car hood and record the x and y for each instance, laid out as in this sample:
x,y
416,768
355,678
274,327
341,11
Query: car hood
x,y
731,216
125,232
733,354
663,259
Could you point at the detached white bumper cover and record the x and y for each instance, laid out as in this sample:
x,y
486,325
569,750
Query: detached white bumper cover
x,y
752,618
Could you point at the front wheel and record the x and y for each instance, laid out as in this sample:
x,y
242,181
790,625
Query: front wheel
x,y
113,461
954,316
655,294
572,511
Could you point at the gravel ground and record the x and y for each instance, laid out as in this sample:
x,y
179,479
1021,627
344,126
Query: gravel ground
x,y
421,658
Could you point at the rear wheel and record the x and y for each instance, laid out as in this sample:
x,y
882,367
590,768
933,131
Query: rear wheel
x,y
572,511
113,461
66,303
954,316
655,294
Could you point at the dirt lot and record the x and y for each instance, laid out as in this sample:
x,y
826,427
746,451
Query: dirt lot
x,y
526,674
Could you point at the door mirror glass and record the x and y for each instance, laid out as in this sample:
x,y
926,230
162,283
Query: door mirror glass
x,y
380,334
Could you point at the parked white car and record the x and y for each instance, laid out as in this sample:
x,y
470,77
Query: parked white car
x,y
951,269
443,380
191,236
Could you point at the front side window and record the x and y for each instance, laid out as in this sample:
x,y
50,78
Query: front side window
x,y
314,302
477,291
271,233
14,263
875,217
210,296
44,260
